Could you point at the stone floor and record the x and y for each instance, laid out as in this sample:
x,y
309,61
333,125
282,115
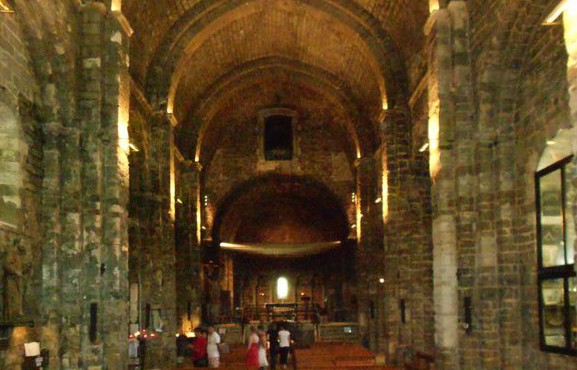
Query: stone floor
x,y
330,355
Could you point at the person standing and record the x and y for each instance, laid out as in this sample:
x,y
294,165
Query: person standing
x,y
251,359
212,348
262,361
274,348
284,337
199,358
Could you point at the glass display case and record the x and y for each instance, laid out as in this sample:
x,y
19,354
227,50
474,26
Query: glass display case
x,y
556,239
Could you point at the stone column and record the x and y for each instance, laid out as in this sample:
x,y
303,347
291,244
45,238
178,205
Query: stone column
x,y
103,117
369,253
398,245
470,274
452,135
114,291
72,259
188,265
442,169
90,117
161,264
489,315
51,210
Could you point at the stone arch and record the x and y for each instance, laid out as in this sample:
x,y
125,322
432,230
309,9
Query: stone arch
x,y
286,184
40,22
12,153
507,55
336,90
193,25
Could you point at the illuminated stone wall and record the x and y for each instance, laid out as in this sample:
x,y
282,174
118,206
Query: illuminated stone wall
x,y
64,84
501,94
83,214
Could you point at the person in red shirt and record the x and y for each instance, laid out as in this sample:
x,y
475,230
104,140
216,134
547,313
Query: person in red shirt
x,y
199,358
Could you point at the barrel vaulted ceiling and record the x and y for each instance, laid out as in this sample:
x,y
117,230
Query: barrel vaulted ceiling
x,y
197,58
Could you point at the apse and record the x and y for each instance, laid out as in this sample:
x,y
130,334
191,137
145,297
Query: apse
x,y
281,216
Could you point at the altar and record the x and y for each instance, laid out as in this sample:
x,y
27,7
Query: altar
x,y
281,311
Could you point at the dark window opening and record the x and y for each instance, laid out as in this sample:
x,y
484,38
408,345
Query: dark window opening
x,y
278,138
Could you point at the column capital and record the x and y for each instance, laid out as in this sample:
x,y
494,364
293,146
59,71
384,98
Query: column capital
x,y
364,162
161,117
192,165
440,14
57,129
94,6
396,114
122,22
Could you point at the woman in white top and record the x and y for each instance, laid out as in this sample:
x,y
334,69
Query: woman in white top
x,y
263,362
252,359
212,347
284,338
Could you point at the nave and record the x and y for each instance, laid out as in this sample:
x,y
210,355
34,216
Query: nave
x,y
320,355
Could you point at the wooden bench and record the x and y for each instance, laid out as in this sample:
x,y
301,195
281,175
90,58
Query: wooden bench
x,y
319,356
356,361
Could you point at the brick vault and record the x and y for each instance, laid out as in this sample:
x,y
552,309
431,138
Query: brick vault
x,y
405,166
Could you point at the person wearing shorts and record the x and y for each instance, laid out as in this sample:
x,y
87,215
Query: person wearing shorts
x,y
284,338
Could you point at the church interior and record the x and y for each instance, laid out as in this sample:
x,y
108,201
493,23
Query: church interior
x,y
375,171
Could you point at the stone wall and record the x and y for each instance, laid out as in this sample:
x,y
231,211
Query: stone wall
x,y
542,108
319,155
463,229
21,175
520,90
68,252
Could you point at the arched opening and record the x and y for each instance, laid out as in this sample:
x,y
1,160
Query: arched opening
x,y
282,233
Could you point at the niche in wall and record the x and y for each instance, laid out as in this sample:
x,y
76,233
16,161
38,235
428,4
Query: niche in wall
x,y
278,140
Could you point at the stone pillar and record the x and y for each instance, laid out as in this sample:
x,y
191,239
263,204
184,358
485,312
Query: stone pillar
x,y
51,211
489,320
188,266
93,16
442,169
90,117
398,245
103,117
369,253
114,292
72,259
160,272
470,275
452,134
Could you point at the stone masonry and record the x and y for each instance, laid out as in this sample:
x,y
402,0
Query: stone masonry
x,y
132,140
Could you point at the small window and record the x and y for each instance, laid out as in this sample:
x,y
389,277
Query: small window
x,y
282,288
278,138
556,239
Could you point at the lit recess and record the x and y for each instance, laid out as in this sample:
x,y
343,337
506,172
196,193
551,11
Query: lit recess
x,y
282,288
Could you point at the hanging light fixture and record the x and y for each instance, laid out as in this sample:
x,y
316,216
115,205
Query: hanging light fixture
x,y
5,8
